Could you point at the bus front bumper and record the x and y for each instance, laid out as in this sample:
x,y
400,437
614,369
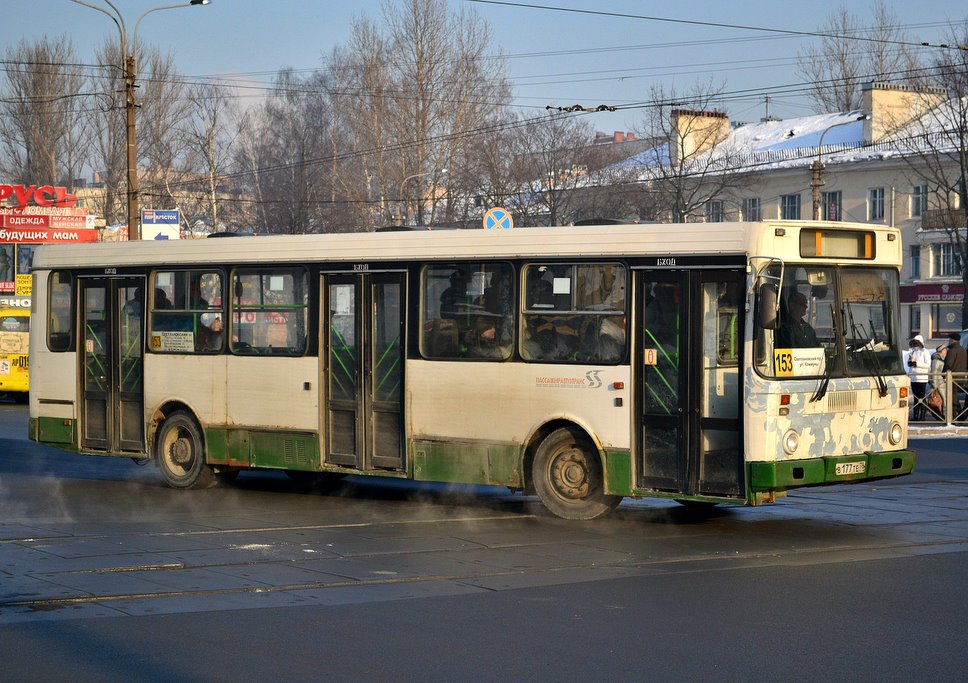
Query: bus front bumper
x,y
789,474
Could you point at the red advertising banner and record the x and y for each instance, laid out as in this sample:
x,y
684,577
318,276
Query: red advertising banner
x,y
43,221
47,235
42,210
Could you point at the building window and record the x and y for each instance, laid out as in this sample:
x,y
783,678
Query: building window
x,y
714,211
751,209
915,319
830,203
919,200
875,204
946,318
915,262
790,207
947,260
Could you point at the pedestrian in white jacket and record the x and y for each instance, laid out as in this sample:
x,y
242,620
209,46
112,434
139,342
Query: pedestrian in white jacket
x,y
917,361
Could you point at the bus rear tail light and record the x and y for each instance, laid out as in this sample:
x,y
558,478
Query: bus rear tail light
x,y
904,392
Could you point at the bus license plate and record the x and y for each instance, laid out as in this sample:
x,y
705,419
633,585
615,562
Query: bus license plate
x,y
843,468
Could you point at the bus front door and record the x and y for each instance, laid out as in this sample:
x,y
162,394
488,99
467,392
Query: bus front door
x,y
112,371
690,438
362,370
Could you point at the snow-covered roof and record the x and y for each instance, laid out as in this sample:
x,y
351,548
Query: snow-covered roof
x,y
794,143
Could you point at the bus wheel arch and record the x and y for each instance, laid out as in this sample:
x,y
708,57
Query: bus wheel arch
x,y
180,451
565,470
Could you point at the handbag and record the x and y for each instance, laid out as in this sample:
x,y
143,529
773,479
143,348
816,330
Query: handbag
x,y
934,401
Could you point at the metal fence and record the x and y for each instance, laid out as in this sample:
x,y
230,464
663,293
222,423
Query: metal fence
x,y
952,389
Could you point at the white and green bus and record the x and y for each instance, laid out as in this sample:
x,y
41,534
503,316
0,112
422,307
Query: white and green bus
x,y
581,364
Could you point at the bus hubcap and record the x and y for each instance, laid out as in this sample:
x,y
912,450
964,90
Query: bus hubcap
x,y
181,452
570,474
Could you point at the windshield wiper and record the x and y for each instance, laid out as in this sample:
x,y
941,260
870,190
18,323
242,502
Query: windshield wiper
x,y
827,370
868,348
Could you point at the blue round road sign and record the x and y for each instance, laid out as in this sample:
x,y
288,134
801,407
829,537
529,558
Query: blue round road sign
x,y
498,218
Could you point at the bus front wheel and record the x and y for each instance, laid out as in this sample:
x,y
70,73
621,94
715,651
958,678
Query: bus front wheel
x,y
568,477
181,454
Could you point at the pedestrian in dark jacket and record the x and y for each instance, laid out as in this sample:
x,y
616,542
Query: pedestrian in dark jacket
x,y
956,360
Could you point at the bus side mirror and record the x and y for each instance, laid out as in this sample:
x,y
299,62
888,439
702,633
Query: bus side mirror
x,y
767,306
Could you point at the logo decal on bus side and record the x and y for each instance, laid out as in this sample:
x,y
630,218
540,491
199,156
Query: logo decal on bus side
x,y
591,380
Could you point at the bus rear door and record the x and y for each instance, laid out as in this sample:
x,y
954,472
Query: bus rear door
x,y
112,365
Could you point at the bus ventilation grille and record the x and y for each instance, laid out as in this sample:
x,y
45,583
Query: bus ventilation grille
x,y
295,451
842,401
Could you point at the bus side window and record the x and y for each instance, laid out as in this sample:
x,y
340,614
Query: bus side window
x,y
467,311
269,311
59,321
574,312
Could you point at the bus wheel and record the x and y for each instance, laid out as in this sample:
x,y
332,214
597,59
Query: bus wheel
x,y
181,456
568,477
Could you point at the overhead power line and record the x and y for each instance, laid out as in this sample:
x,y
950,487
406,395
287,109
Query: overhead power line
x,y
717,24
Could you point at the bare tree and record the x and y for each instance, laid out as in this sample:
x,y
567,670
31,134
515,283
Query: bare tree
x,y
415,95
39,112
107,133
837,68
210,134
286,149
551,164
162,107
361,100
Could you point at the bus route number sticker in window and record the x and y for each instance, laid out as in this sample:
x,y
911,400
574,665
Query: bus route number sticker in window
x,y
799,362
176,342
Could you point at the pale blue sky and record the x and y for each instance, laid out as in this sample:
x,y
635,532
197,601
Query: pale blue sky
x,y
556,58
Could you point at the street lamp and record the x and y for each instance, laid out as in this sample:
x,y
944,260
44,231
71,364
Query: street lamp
x,y
129,55
817,166
403,188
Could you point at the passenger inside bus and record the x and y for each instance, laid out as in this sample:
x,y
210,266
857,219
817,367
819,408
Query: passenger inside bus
x,y
490,335
162,302
209,337
454,300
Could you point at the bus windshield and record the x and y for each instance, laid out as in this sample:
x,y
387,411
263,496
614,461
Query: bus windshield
x,y
815,321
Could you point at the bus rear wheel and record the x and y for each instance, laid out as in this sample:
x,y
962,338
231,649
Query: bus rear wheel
x,y
181,453
568,477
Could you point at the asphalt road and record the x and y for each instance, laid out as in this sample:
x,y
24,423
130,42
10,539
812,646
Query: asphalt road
x,y
106,574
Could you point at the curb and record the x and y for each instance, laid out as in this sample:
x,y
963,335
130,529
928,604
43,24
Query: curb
x,y
936,431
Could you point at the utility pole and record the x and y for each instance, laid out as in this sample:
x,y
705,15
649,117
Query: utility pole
x,y
134,204
816,168
816,182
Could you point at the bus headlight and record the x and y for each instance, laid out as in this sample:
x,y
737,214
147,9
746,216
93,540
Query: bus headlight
x,y
895,434
791,441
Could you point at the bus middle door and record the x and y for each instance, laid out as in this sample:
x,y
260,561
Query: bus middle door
x,y
362,359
